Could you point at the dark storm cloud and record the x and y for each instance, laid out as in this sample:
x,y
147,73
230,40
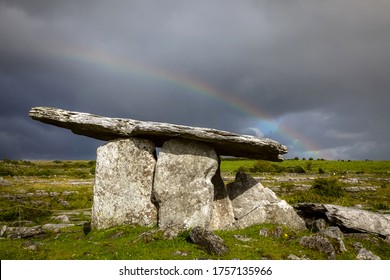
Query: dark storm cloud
x,y
319,68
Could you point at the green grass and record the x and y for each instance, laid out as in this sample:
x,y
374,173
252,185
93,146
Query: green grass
x,y
232,165
47,169
21,177
124,243
86,169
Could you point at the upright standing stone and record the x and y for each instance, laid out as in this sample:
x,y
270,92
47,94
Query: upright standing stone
x,y
123,184
222,216
182,184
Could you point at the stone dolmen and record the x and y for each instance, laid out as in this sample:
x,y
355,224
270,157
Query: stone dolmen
x,y
180,189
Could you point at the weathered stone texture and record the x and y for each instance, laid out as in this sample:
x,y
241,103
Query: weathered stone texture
x,y
182,184
255,204
320,243
348,217
222,216
103,128
208,241
123,184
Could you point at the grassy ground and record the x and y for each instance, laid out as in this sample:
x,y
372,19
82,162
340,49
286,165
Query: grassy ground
x,y
339,167
124,243
68,186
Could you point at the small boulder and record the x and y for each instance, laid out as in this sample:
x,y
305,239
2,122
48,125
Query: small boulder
x,y
320,243
335,234
264,232
296,258
55,227
319,224
62,218
208,241
364,254
3,230
23,232
242,238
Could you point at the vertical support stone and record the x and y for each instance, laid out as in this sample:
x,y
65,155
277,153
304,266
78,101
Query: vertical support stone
x,y
222,216
182,184
123,184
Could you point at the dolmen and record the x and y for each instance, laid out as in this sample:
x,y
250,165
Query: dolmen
x,y
182,187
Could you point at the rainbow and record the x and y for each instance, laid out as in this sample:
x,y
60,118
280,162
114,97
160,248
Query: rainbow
x,y
114,63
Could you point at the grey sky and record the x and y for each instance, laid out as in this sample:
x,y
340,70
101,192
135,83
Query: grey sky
x,y
316,74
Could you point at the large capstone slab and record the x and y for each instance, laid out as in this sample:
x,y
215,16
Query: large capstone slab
x,y
183,189
104,128
123,184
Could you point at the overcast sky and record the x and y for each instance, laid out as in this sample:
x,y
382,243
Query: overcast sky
x,y
313,75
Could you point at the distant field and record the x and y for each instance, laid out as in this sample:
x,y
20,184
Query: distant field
x,y
86,168
308,166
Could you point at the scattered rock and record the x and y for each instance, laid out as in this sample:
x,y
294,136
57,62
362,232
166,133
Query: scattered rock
x,y
335,234
41,193
116,235
255,204
277,232
172,231
123,184
31,246
332,232
4,182
350,181
183,184
69,193
62,218
64,203
320,243
319,225
3,230
55,227
23,232
208,241
349,218
363,253
294,257
361,189
180,253
54,194
242,238
264,232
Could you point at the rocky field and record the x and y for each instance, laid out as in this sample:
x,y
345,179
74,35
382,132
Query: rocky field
x,y
45,210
